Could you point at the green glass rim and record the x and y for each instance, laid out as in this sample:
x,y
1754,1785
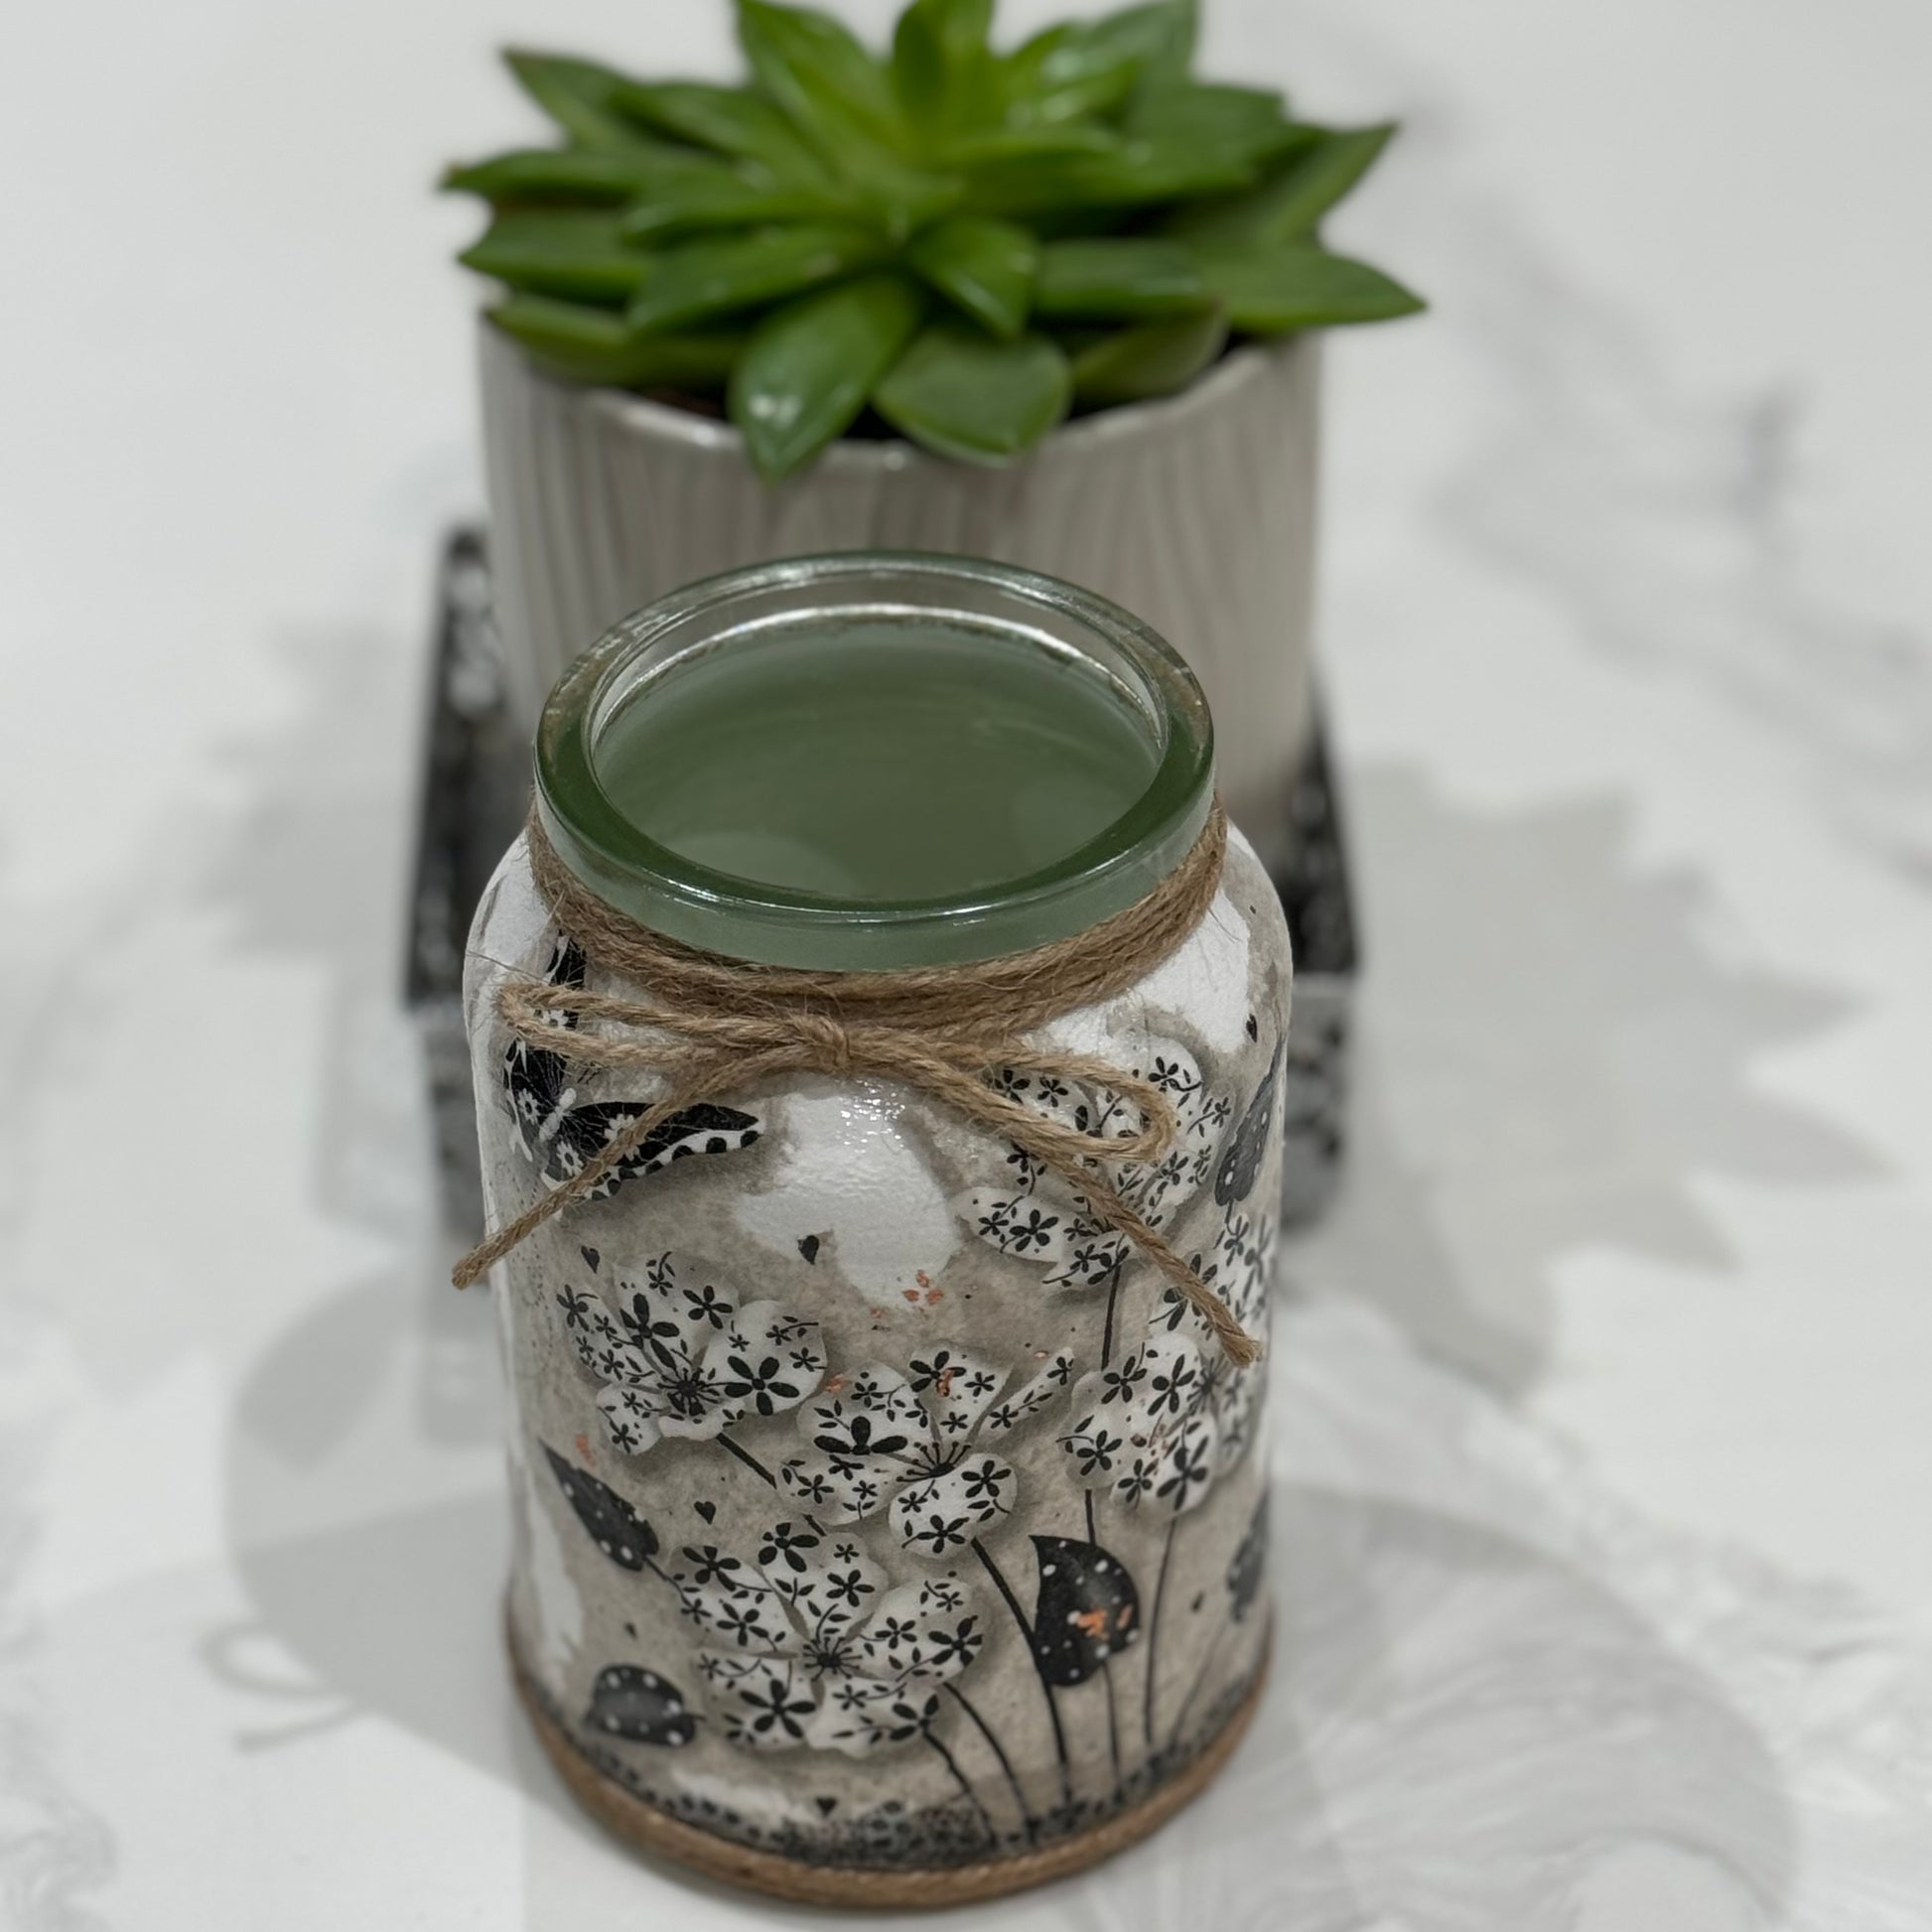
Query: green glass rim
x,y
753,920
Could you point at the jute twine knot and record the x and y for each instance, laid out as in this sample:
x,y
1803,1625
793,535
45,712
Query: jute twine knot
x,y
704,1024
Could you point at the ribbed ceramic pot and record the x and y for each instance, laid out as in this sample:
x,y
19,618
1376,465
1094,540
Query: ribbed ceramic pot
x,y
885,1529
1196,512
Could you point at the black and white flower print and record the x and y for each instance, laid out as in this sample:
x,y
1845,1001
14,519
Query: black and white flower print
x,y
562,1135
1238,1268
912,1445
1036,1216
808,1642
680,1356
1156,1429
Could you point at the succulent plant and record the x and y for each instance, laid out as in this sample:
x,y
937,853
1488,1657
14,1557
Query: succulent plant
x,y
951,243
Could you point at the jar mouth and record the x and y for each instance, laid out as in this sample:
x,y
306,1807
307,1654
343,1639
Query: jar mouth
x,y
801,603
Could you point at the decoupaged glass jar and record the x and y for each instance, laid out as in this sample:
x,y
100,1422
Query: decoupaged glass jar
x,y
890,1527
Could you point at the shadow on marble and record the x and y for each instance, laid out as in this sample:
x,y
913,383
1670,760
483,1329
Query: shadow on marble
x,y
284,850
1463,1731
1549,1055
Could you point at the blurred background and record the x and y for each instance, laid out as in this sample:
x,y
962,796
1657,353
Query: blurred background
x,y
1602,1382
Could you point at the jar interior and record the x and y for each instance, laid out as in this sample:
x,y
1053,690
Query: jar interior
x,y
884,760
866,762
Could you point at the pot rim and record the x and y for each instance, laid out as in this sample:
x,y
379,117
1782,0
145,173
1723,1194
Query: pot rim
x,y
715,436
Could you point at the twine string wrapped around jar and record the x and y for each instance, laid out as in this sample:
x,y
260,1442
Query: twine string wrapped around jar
x,y
711,1025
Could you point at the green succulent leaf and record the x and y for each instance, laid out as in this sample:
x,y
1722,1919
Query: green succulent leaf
x,y
574,252
1159,38
1243,126
989,146
1118,278
960,392
973,241
1302,288
1093,67
943,71
843,103
1152,359
1059,76
1139,174
584,176
722,275
1298,191
985,267
719,196
578,96
833,92
904,200
813,364
594,345
729,120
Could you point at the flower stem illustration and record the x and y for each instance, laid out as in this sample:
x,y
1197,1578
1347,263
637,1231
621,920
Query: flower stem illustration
x,y
749,1460
959,1778
1028,1823
1154,1631
1107,1673
1019,1616
1208,1656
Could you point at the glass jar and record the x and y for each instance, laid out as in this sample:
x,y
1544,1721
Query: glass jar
x,y
886,1530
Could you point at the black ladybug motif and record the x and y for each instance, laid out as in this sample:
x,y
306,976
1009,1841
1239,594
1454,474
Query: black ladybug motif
x,y
563,1138
637,1706
1248,1566
1240,1169
615,1527
1087,1610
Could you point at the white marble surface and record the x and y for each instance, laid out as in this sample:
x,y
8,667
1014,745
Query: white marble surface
x,y
1599,1429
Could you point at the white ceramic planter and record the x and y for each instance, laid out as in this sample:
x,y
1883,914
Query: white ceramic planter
x,y
1196,513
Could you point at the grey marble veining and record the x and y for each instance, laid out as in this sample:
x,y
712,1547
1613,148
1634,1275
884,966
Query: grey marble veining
x,y
1599,1431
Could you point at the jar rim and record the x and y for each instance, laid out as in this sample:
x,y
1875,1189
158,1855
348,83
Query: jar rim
x,y
755,921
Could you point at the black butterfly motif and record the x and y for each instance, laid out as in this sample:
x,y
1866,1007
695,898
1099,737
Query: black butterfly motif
x,y
636,1705
1240,1169
563,1138
615,1527
1248,1566
1088,1609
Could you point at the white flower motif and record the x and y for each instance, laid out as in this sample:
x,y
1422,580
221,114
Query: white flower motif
x,y
1157,1428
1036,1216
681,1358
812,1645
1238,1268
906,1444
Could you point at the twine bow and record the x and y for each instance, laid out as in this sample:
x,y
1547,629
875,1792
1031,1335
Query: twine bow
x,y
705,1025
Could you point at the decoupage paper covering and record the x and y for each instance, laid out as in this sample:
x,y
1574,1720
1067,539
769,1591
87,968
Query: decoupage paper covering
x,y
874,1505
